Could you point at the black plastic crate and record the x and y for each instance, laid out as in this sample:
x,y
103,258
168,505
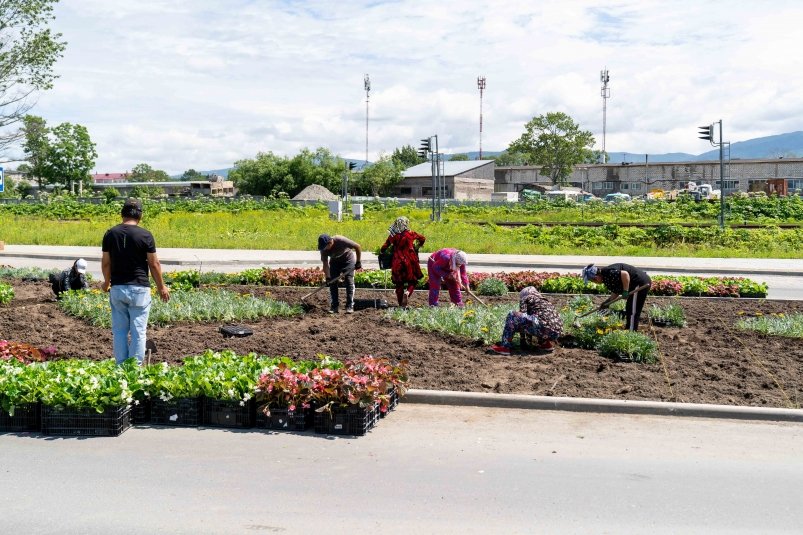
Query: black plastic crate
x,y
79,422
181,412
285,419
392,403
350,420
219,413
141,412
27,417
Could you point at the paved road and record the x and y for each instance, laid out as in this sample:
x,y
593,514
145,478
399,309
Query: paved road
x,y
784,276
424,469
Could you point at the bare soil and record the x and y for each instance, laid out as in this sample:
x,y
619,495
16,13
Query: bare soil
x,y
709,361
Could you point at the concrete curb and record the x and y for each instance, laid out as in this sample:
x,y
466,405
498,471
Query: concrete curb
x,y
369,262
611,406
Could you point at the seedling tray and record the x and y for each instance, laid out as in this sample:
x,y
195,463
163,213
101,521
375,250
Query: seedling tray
x,y
351,420
79,422
219,413
285,419
141,412
364,304
235,331
181,412
27,417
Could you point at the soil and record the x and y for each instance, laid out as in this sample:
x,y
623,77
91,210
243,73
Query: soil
x,y
709,361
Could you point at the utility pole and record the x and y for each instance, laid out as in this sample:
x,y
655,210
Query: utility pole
x,y
604,77
481,87
367,84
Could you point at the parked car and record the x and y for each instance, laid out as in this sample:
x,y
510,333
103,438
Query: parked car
x,y
617,197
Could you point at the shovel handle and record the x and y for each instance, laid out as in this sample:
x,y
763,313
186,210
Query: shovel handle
x,y
322,286
612,301
472,294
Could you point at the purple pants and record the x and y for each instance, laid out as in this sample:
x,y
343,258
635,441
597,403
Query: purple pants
x,y
438,276
518,322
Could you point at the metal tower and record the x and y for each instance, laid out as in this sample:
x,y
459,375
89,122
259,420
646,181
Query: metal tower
x,y
606,94
481,87
367,84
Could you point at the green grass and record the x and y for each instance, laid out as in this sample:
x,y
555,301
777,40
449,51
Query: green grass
x,y
790,326
297,229
184,306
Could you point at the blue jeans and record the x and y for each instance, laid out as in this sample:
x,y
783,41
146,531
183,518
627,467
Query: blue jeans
x,y
130,308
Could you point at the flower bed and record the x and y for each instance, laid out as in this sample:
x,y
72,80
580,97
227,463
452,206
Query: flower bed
x,y
514,281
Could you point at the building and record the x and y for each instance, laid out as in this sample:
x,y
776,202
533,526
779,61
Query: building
x,y
784,175
110,178
222,188
470,181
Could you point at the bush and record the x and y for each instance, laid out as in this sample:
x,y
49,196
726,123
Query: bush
x,y
6,293
628,345
492,286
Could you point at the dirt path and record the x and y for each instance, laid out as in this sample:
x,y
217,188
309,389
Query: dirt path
x,y
710,361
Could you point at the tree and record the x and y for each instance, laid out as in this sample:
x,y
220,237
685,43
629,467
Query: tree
x,y
458,158
380,177
271,175
556,143
406,157
71,155
28,51
596,156
192,174
509,158
36,147
143,172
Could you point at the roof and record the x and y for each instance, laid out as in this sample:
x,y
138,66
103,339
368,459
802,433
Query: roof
x,y
449,168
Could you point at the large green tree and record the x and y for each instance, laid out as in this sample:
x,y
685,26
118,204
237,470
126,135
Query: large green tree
x,y
270,175
143,172
379,178
555,143
406,157
36,146
28,51
71,155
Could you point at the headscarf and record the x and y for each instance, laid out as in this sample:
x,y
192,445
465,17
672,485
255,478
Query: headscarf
x,y
400,225
527,298
589,272
458,259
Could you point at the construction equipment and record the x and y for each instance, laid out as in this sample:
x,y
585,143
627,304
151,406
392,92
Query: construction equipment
x,y
605,304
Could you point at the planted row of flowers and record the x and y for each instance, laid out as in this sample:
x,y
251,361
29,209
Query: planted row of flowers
x,y
514,281
217,383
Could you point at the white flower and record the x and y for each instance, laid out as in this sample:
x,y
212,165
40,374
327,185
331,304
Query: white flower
x,y
136,402
231,392
242,404
129,399
247,396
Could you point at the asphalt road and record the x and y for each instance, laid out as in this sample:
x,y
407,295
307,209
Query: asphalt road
x,y
424,469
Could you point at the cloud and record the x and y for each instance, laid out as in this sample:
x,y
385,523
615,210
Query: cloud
x,y
202,83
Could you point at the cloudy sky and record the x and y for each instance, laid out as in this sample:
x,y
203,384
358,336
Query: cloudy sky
x,y
182,84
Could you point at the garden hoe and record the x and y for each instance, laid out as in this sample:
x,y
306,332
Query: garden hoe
x,y
472,294
318,289
150,346
604,305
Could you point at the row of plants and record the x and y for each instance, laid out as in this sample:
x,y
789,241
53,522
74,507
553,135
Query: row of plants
x,y
204,305
739,209
269,382
512,281
789,325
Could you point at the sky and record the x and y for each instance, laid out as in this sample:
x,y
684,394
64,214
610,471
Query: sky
x,y
201,84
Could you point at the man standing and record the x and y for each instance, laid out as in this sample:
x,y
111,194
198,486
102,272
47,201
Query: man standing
x,y
339,256
129,252
72,278
621,280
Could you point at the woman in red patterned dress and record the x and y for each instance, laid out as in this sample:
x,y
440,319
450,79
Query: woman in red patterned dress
x,y
405,271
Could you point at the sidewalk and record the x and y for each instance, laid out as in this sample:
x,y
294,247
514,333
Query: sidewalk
x,y
213,259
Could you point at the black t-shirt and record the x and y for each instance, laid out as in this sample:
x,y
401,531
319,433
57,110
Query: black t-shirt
x,y
612,277
128,246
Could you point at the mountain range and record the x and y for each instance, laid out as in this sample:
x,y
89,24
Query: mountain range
x,y
789,145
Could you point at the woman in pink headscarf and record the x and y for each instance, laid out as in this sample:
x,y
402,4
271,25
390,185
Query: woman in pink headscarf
x,y
447,266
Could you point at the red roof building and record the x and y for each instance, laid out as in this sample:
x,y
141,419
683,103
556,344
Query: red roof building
x,y
110,178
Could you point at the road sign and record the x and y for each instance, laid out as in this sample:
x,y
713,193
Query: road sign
x,y
2,180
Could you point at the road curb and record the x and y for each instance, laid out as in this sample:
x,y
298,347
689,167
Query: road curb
x,y
519,266
611,406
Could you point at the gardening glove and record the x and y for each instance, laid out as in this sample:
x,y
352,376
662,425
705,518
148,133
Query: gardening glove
x,y
357,265
625,293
